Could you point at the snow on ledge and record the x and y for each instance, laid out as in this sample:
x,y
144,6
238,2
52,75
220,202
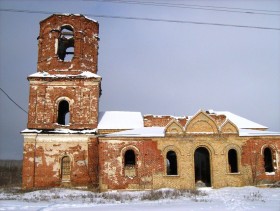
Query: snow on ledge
x,y
85,74
249,132
270,173
140,132
61,131
31,131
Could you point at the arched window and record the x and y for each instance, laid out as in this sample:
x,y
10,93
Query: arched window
x,y
129,158
232,161
65,48
63,109
268,161
65,168
171,163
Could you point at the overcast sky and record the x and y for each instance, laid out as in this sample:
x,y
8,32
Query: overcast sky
x,y
155,67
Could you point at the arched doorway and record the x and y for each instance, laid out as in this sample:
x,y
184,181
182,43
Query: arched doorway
x,y
202,166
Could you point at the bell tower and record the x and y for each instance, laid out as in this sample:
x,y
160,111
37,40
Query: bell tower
x,y
64,93
60,144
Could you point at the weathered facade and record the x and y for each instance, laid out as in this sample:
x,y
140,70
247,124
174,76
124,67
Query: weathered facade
x,y
68,142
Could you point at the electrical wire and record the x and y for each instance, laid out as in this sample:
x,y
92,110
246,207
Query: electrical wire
x,y
148,19
13,101
197,7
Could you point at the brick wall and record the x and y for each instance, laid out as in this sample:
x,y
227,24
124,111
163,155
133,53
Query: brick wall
x,y
162,121
48,151
112,172
85,44
253,156
46,93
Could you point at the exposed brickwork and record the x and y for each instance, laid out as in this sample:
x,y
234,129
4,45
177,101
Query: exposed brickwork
x,y
46,93
79,158
219,119
43,153
162,121
149,162
85,41
48,154
253,156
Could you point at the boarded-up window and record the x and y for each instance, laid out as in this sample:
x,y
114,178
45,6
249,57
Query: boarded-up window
x,y
65,168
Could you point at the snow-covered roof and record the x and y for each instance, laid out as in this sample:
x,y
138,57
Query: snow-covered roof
x,y
248,132
239,121
85,74
140,132
120,120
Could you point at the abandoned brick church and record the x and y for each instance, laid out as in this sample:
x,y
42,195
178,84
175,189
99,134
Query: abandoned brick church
x,y
68,142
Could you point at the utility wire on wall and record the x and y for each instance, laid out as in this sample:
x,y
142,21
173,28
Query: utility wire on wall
x,y
148,19
13,101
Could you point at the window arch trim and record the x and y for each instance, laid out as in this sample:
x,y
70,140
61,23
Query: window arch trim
x,y
136,153
130,171
238,154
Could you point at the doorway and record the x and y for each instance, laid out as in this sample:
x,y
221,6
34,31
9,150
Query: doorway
x,y
202,167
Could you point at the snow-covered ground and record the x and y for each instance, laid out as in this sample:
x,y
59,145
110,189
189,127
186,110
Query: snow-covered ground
x,y
245,198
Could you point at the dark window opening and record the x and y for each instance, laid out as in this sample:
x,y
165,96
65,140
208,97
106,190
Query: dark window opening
x,y
202,166
63,113
129,158
65,50
171,163
268,161
65,168
232,161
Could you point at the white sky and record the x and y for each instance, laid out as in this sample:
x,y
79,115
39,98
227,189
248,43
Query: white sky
x,y
154,67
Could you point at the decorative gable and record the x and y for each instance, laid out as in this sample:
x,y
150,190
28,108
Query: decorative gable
x,y
174,128
201,123
229,127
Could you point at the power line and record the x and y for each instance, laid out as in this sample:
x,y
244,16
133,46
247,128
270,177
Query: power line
x,y
197,7
13,101
150,19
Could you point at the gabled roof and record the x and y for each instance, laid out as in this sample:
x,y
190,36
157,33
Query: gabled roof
x,y
120,120
239,121
201,122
